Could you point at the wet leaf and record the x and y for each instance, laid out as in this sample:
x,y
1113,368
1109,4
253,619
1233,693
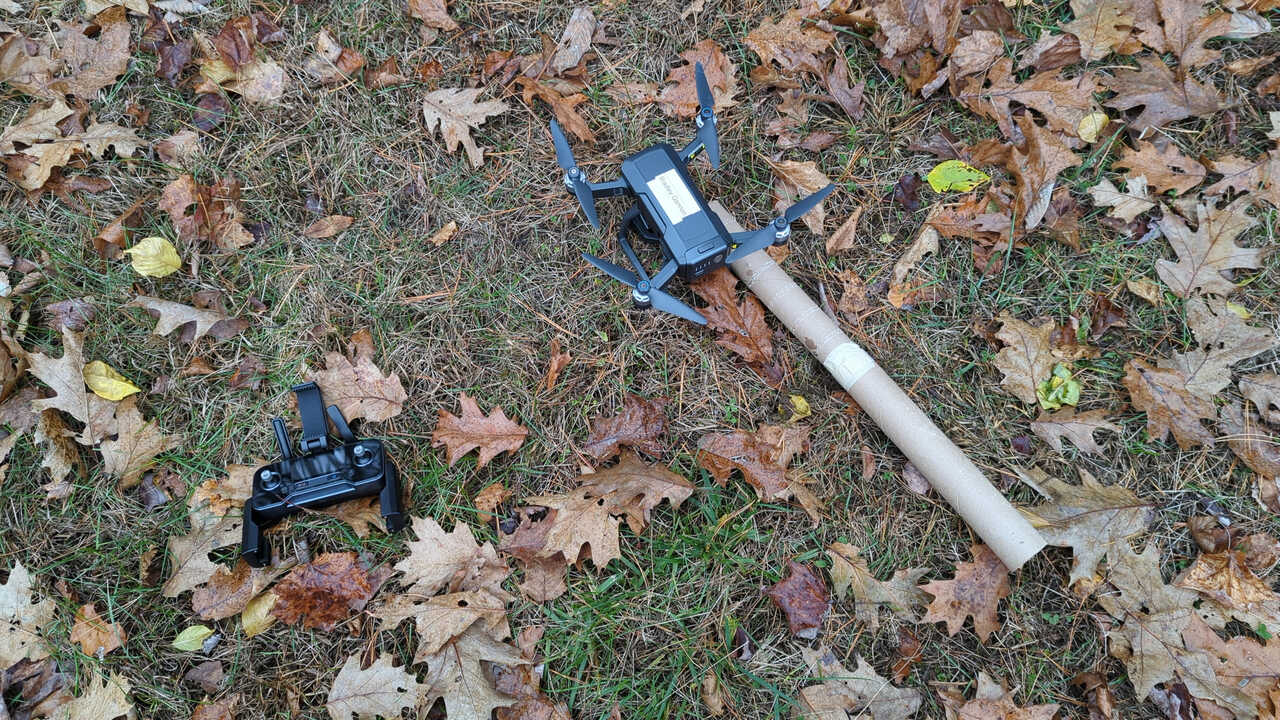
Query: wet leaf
x,y
322,593
640,425
802,597
762,457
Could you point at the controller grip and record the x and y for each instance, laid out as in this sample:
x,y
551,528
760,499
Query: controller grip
x,y
391,498
254,546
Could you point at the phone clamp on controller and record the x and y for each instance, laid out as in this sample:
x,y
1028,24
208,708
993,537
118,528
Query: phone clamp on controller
x,y
320,473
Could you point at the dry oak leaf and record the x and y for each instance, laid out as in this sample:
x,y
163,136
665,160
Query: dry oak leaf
x,y
456,674
680,98
1163,96
1165,170
1035,167
559,360
991,701
457,113
563,106
1127,205
802,597
94,54
1076,427
190,564
1091,518
206,214
171,316
1063,102
384,75
218,496
381,690
574,41
357,386
1209,251
65,376
103,698
1100,25
442,618
455,561
1259,177
908,25
904,292
1186,28
976,590
740,325
327,226
793,43
1222,339
1224,578
976,52
796,180
22,619
61,456
846,235
223,709
492,434
323,592
1163,395
135,447
95,635
899,594
845,694
332,63
762,457
1263,390
640,424
40,125
361,515
1027,358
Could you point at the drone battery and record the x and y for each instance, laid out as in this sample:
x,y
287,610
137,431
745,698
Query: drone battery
x,y
672,206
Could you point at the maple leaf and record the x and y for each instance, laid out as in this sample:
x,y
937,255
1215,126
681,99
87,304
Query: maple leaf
x,y
137,444
206,214
103,698
1222,339
1091,518
793,43
976,590
1164,98
356,385
680,98
762,457
217,496
1027,358
457,113
378,690
991,701
198,322
740,326
95,635
1263,390
802,597
191,565
1124,205
1224,578
1076,427
1209,251
846,694
1163,395
323,592
899,594
1035,167
1062,101
492,434
455,674
65,376
1165,170
434,13
1100,25
453,560
640,424
22,619
94,54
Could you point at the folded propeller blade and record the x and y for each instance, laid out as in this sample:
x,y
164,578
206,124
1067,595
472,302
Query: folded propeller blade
x,y
797,211
622,275
577,181
670,304
707,129
564,154
753,240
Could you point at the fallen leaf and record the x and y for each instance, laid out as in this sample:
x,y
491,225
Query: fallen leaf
x,y
327,226
22,620
1163,96
438,560
976,52
107,383
192,638
113,236
1222,339
575,40
436,15
906,191
1100,25
94,54
792,43
1092,125
228,592
955,176
39,125
680,98
1146,289
1035,167
456,674
640,424
386,74
802,597
96,636
103,698
1063,102
362,515
444,234
323,592
1236,664
762,457
1263,390
381,689
488,500
492,434
72,314
1162,394
439,620
1166,170
1124,205
861,692
61,456
556,365
1251,442
1224,578
740,325
154,257
457,113
256,616
1209,251
207,676
172,316
992,701
190,565
901,290
1027,358
206,214
975,591
1078,428
712,694
65,377
908,654
1093,519
563,106
899,594
223,709
357,386
846,235
796,180
331,62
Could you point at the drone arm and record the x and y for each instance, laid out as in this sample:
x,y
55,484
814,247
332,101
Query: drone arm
x,y
664,275
612,188
690,151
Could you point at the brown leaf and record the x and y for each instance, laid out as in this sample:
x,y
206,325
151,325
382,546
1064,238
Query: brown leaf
x,y
802,596
1100,25
1027,357
173,58
846,235
993,702
1241,666
1263,390
444,234
1063,102
361,515
976,590
680,98
1163,97
235,41
640,424
223,709
915,480
1222,339
322,593
1251,442
564,107
228,592
207,676
762,457
457,113
72,314
1035,167
907,654
357,386
454,561
440,619
1104,315
61,456
1165,170
249,374
328,226
556,365
976,52
906,191
94,54
197,321
206,214
902,291
386,74
331,62
65,376
488,500
1225,579
210,110
1260,176
740,326
135,447
492,434
457,674
434,13
1050,52
380,689
845,693
1162,394
1206,253
575,40
1078,428
792,43
95,635
190,565
179,148
899,594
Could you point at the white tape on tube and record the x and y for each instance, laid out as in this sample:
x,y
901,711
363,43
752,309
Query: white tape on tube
x,y
847,363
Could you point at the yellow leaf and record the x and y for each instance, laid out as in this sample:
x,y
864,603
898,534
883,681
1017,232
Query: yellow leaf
x,y
1239,310
257,616
192,638
955,175
105,382
1091,125
799,408
155,257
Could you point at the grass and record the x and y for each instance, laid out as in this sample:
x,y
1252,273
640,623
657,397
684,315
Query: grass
x,y
642,632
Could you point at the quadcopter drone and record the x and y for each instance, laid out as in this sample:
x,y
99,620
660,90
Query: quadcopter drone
x,y
671,212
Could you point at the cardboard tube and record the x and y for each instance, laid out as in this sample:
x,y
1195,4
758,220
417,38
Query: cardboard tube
x,y
952,474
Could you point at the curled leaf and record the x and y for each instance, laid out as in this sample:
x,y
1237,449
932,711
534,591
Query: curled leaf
x,y
1060,389
154,257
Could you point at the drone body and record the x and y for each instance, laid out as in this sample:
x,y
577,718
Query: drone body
x,y
671,212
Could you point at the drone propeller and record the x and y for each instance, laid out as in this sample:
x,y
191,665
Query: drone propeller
x,y
706,118
574,178
776,232
642,291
